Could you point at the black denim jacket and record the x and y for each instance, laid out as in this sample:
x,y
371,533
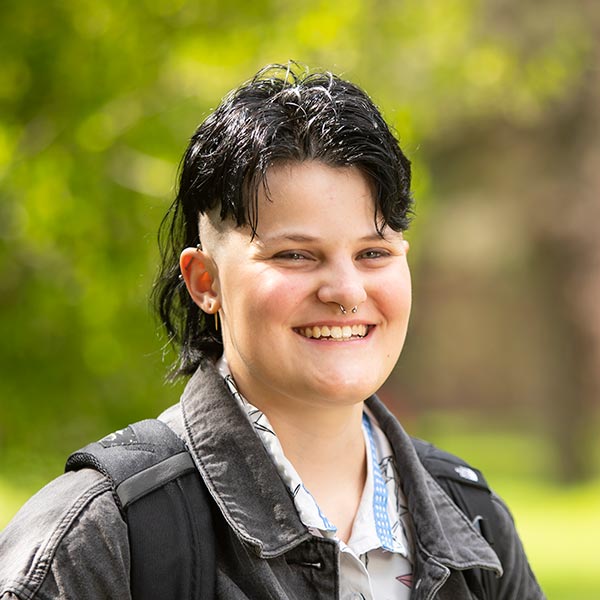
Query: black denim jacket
x,y
70,542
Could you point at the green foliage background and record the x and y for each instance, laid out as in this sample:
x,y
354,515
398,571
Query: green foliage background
x,y
97,101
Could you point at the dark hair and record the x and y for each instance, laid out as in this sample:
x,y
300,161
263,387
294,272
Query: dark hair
x,y
283,114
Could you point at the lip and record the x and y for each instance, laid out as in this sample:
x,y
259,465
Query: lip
x,y
330,323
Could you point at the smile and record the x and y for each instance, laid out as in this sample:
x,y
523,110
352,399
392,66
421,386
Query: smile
x,y
335,332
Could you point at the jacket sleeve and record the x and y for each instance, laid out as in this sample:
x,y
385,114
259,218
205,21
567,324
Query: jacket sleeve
x,y
68,541
518,580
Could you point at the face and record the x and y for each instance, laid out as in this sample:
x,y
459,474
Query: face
x,y
285,336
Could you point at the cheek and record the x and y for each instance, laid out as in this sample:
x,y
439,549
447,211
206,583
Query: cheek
x,y
395,295
274,298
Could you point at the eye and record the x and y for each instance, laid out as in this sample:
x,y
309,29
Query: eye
x,y
291,255
373,253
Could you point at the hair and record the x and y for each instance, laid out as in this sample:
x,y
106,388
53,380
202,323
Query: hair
x,y
283,114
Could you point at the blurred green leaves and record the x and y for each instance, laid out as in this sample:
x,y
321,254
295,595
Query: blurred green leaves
x,y
97,101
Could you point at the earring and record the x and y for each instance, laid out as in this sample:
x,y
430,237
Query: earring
x,y
217,321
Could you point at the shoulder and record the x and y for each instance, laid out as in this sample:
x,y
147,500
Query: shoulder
x,y
519,580
68,541
468,488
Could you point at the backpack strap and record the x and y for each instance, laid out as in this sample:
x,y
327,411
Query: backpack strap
x,y
166,506
469,490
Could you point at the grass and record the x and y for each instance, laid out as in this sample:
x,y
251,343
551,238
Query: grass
x,y
559,526
11,498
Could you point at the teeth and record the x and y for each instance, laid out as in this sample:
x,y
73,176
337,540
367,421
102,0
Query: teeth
x,y
334,332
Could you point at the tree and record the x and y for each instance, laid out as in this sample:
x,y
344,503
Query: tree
x,y
97,102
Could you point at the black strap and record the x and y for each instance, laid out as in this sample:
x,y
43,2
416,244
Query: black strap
x,y
469,490
166,506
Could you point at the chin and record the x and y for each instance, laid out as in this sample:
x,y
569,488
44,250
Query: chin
x,y
348,390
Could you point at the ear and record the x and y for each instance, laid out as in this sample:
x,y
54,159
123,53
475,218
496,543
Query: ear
x,y
199,272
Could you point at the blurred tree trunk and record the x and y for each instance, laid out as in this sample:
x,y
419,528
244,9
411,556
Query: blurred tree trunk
x,y
513,326
568,266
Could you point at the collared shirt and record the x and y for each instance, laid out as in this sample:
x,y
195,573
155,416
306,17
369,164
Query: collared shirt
x,y
376,563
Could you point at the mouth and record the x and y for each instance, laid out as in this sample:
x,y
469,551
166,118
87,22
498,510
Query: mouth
x,y
335,333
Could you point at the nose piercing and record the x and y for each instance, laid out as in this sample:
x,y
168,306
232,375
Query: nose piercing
x,y
344,311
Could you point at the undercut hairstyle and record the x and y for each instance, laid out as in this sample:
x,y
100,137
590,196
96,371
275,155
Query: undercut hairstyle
x,y
284,114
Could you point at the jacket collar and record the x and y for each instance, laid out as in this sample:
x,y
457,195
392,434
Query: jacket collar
x,y
237,470
251,495
442,530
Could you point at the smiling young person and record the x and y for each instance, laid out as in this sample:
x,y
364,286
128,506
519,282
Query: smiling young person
x,y
286,287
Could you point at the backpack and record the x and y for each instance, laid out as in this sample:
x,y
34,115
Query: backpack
x,y
166,506
169,512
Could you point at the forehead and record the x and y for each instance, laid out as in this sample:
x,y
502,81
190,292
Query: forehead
x,y
311,174
303,192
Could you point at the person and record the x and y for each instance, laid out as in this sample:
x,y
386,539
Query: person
x,y
286,288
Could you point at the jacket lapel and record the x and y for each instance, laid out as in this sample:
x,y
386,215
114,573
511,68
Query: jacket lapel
x,y
442,530
237,470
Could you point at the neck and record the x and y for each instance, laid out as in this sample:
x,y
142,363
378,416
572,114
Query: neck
x,y
327,450
327,433
323,439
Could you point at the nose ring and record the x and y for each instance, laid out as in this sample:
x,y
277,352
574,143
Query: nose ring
x,y
354,309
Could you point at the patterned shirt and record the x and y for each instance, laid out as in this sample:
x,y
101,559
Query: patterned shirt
x,y
375,564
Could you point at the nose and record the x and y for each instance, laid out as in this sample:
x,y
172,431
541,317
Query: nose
x,y
342,284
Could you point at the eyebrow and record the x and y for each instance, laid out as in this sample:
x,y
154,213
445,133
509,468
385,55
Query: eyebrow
x,y
302,238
